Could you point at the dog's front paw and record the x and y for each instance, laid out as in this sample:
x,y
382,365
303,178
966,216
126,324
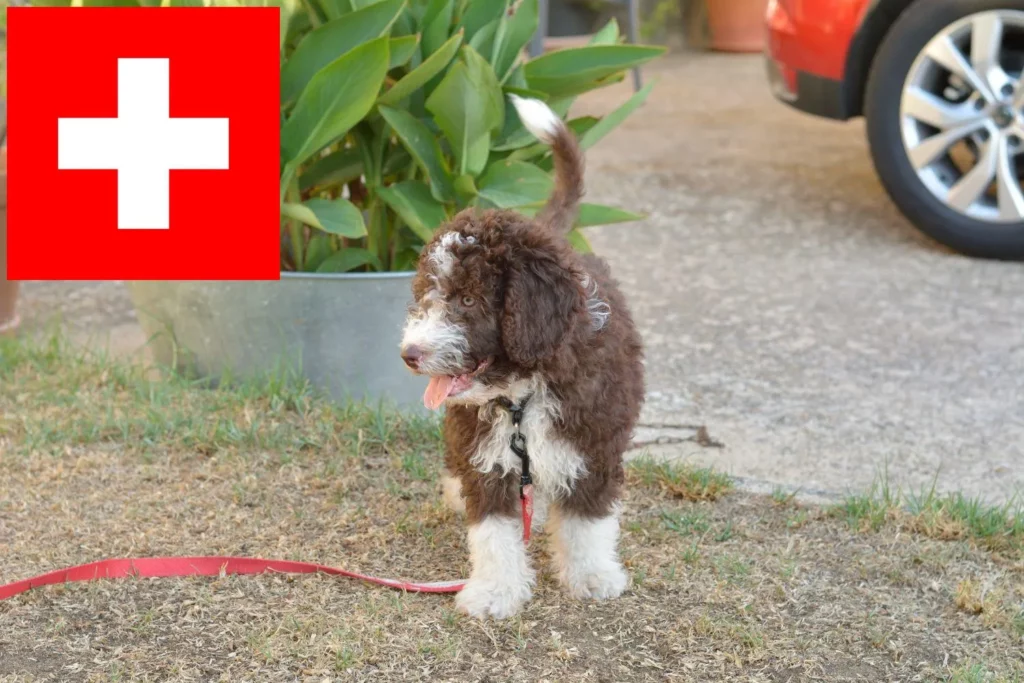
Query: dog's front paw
x,y
602,584
485,598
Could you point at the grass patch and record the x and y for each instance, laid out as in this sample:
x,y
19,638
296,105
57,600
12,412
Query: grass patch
x,y
976,672
749,636
687,523
100,459
679,480
84,399
946,517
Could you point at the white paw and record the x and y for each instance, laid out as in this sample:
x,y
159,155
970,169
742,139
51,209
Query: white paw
x,y
484,598
601,584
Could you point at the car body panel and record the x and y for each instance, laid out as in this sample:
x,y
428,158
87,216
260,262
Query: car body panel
x,y
813,36
808,53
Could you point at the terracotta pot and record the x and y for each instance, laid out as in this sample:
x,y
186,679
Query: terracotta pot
x,y
8,288
737,25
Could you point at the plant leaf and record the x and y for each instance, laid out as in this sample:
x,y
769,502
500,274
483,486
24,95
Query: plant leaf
x,y
477,155
466,184
325,44
612,120
405,260
338,217
480,13
608,35
574,70
582,125
396,160
511,184
337,167
349,258
419,76
288,9
339,8
402,50
483,40
300,213
467,105
318,249
422,145
333,9
337,97
520,28
598,214
589,214
579,242
437,22
411,199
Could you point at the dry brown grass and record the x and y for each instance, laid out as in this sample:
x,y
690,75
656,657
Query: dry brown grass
x,y
97,462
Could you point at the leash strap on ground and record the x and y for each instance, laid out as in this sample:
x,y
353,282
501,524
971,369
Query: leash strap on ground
x,y
153,567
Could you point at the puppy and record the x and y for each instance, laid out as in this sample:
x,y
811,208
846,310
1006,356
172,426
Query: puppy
x,y
510,322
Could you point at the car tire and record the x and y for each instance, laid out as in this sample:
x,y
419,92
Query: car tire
x,y
890,68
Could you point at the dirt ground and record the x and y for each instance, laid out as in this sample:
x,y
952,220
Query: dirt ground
x,y
98,460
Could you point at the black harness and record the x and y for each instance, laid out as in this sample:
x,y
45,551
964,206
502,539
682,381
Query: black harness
x,y
518,441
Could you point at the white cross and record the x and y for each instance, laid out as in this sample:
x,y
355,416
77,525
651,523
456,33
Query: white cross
x,y
143,144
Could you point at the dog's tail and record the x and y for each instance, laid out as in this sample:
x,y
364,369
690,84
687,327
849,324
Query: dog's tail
x,y
560,211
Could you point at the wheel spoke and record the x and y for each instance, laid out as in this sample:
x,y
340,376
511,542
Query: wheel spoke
x,y
945,52
936,111
986,43
969,188
1011,200
932,148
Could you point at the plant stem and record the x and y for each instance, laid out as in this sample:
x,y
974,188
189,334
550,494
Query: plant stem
x,y
373,236
291,194
314,17
287,175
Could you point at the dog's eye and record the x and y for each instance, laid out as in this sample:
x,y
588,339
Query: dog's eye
x,y
467,301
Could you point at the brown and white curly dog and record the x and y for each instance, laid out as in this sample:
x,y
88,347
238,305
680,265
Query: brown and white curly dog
x,y
507,315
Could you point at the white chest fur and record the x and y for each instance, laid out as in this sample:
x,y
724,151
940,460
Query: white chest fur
x,y
555,465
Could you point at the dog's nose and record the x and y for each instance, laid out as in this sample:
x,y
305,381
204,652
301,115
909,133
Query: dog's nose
x,y
412,355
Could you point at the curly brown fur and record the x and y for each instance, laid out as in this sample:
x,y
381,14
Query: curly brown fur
x,y
505,307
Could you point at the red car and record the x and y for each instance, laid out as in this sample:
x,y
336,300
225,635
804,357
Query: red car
x,y
939,85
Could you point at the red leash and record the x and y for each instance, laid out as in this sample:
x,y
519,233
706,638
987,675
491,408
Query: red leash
x,y
156,567
208,566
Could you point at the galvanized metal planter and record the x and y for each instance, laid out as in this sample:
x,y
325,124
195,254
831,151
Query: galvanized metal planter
x,y
340,331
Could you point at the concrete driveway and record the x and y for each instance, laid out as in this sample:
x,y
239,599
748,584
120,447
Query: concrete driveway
x,y
791,310
787,307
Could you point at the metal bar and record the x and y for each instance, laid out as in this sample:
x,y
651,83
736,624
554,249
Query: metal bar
x,y
537,42
634,31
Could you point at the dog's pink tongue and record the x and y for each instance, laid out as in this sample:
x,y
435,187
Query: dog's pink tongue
x,y
437,391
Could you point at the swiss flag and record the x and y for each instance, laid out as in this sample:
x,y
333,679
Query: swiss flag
x,y
143,143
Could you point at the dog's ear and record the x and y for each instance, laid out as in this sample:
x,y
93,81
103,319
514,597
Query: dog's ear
x,y
543,302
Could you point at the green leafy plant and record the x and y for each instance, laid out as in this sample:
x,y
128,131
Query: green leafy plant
x,y
394,117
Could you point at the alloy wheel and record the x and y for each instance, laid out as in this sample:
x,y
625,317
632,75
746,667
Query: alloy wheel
x,y
962,116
